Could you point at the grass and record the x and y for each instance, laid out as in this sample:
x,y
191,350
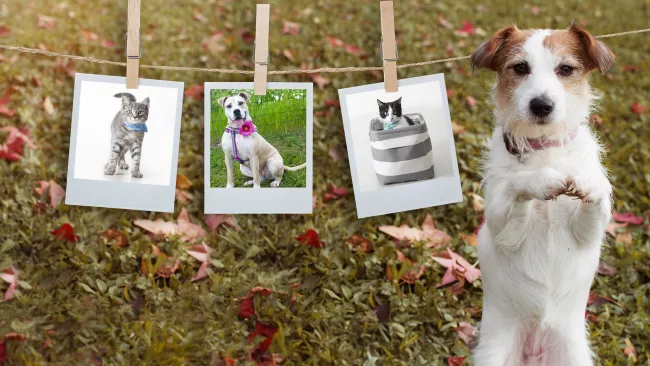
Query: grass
x,y
280,117
90,303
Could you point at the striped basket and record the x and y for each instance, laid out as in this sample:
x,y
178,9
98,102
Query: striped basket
x,y
401,154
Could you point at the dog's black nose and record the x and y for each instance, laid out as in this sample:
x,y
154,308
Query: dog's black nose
x,y
237,112
541,107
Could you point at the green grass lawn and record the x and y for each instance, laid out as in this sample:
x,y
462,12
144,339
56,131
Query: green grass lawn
x,y
89,302
291,146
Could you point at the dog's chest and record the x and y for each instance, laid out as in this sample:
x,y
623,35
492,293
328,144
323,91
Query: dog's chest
x,y
243,144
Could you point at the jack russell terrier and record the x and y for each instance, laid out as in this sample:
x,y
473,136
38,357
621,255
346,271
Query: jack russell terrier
x,y
257,158
547,197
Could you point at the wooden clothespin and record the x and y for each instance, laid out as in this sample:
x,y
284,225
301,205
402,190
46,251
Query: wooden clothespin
x,y
262,56
133,45
389,46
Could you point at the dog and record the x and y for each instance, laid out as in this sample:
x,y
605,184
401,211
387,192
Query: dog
x,y
258,159
547,197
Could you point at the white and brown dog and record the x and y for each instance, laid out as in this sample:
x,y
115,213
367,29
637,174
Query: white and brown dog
x,y
257,158
548,198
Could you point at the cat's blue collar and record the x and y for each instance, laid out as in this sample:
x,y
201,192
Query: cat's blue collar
x,y
138,127
390,126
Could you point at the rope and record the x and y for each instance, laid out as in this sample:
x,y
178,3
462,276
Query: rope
x,y
322,70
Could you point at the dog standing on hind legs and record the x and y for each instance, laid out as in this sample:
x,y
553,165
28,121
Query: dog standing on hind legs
x,y
547,198
257,158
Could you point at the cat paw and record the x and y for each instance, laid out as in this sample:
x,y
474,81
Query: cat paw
x,y
275,183
136,175
109,171
124,166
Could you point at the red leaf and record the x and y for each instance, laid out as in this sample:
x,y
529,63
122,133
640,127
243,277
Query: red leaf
x,y
4,100
10,275
455,361
89,36
310,239
194,92
466,29
458,269
352,49
247,306
214,221
466,332
596,299
3,344
4,31
247,37
56,192
628,218
259,353
290,28
319,80
65,232
637,108
606,269
335,42
471,101
629,350
535,10
334,192
262,330
107,43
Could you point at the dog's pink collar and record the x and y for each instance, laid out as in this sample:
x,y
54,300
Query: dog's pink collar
x,y
537,143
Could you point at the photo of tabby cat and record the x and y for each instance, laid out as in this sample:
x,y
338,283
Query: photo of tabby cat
x,y
127,133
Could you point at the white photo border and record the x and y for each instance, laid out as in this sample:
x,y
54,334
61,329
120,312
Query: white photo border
x,y
110,194
412,196
258,200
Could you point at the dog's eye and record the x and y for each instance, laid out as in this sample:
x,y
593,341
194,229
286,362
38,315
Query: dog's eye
x,y
241,103
521,68
229,105
565,70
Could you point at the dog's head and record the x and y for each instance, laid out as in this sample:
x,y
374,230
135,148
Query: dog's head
x,y
542,77
236,107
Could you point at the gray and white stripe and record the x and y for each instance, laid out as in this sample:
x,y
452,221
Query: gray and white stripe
x,y
402,154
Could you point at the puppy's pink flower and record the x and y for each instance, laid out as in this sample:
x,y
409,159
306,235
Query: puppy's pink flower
x,y
247,128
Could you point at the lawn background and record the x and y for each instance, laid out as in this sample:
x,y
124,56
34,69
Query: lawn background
x,y
280,117
89,302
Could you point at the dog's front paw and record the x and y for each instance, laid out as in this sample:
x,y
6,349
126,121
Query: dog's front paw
x,y
546,185
257,186
136,175
579,188
230,185
110,170
248,183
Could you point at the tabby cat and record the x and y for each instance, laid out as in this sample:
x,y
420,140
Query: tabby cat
x,y
127,132
391,115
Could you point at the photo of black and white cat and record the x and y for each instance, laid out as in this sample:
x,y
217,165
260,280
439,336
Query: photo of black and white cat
x,y
127,133
390,114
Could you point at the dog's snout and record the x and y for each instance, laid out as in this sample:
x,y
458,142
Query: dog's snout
x,y
541,106
236,112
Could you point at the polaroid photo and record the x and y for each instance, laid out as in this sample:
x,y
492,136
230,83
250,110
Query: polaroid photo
x,y
400,146
124,143
258,149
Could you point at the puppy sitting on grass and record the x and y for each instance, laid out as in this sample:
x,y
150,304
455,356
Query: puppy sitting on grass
x,y
547,197
256,157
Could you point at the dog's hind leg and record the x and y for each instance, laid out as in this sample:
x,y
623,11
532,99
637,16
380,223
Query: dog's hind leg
x,y
499,343
245,170
276,170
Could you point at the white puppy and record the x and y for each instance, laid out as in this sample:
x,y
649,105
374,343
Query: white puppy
x,y
257,158
547,197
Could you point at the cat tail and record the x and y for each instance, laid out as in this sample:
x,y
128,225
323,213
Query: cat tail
x,y
293,168
129,96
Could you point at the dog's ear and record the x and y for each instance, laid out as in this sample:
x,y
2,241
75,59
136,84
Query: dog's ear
x,y
380,103
245,96
598,55
487,54
221,101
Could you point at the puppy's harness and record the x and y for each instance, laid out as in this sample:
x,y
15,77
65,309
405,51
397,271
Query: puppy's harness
x,y
233,134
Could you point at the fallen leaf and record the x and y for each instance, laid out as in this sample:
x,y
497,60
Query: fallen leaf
x,y
184,227
466,332
4,30
606,269
352,49
202,254
444,22
46,22
466,29
358,241
117,237
624,238
3,344
107,43
478,203
319,80
247,36
189,230
455,361
166,269
200,17
48,106
214,221
56,192
471,101
290,28
183,196
428,234
5,100
596,119
335,42
596,299
535,10
629,350
456,128
65,232
612,227
470,239
310,239
213,44
334,192
458,269
182,182
247,305
13,148
289,54
194,92
337,153
10,276
628,218
89,36
259,353
413,274
637,108
630,68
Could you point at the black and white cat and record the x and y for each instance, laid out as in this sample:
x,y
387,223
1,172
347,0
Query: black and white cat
x,y
391,115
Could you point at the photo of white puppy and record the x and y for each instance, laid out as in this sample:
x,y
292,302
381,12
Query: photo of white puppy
x,y
547,197
257,158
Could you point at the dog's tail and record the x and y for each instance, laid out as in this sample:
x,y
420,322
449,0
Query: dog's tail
x,y
128,96
294,168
